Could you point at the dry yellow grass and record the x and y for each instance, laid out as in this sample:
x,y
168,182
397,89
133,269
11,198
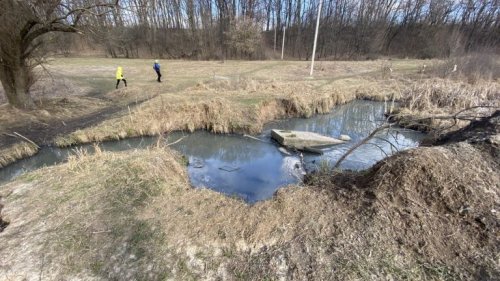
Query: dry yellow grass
x,y
226,106
240,82
219,113
16,151
447,96
134,216
237,88
423,104
48,110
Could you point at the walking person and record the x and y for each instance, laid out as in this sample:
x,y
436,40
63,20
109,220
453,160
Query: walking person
x,y
119,77
156,67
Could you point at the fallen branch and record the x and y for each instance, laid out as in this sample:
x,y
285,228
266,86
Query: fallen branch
x,y
363,141
455,117
254,138
172,143
26,139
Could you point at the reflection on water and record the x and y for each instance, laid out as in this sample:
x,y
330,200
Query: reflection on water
x,y
253,169
236,165
357,120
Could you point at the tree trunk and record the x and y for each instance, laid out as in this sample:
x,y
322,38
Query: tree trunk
x,y
16,81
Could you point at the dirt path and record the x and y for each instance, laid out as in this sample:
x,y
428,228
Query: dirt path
x,y
44,133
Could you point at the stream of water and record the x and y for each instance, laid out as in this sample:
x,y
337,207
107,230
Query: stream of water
x,y
253,169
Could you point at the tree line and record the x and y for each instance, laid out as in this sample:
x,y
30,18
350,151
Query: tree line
x,y
254,29
241,29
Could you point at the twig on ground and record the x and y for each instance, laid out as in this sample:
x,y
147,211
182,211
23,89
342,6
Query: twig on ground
x,y
26,139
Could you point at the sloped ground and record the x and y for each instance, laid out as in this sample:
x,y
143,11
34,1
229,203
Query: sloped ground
x,y
430,213
437,204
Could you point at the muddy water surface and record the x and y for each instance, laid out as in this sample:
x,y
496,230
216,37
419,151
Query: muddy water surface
x,y
254,168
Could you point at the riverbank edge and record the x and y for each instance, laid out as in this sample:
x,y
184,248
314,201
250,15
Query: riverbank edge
x,y
280,108
16,152
332,205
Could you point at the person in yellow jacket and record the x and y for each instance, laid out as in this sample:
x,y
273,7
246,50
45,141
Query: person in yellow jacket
x,y
119,77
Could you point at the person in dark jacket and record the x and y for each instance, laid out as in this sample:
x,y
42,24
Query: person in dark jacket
x,y
156,67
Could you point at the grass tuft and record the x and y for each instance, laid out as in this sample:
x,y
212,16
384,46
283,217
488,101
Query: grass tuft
x,y
17,151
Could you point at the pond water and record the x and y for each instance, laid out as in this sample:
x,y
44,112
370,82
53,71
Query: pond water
x,y
253,168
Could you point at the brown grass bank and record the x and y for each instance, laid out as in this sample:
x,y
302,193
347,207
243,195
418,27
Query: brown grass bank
x,y
419,215
242,106
429,105
54,116
234,96
16,151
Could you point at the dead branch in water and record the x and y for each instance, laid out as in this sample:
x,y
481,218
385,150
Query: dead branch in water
x,y
363,141
455,117
254,138
172,143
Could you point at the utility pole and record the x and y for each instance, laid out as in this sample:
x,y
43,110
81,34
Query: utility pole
x,y
315,37
283,45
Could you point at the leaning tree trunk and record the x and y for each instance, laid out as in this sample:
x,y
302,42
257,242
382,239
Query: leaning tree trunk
x,y
16,79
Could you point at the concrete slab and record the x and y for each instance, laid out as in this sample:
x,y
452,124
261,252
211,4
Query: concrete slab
x,y
345,137
300,139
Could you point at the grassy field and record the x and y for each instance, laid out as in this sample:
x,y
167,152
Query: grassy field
x,y
231,96
77,103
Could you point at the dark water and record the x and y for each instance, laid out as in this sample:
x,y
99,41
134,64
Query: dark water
x,y
253,169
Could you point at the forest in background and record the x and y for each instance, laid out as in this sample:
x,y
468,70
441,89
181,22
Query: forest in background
x,y
253,29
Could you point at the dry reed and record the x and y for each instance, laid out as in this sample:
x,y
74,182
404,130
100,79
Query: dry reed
x,y
17,151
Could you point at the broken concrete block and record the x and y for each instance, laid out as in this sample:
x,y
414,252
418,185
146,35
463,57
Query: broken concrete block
x,y
345,137
300,139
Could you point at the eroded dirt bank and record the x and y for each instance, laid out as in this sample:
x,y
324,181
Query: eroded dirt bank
x,y
430,213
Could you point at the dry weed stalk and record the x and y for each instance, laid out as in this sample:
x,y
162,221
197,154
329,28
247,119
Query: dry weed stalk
x,y
437,93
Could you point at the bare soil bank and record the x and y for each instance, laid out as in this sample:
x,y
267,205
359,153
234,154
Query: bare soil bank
x,y
430,213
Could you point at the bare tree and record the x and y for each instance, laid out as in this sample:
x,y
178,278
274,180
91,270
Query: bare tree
x,y
208,29
22,26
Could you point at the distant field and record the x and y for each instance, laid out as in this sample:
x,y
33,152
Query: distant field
x,y
76,93
233,92
98,73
